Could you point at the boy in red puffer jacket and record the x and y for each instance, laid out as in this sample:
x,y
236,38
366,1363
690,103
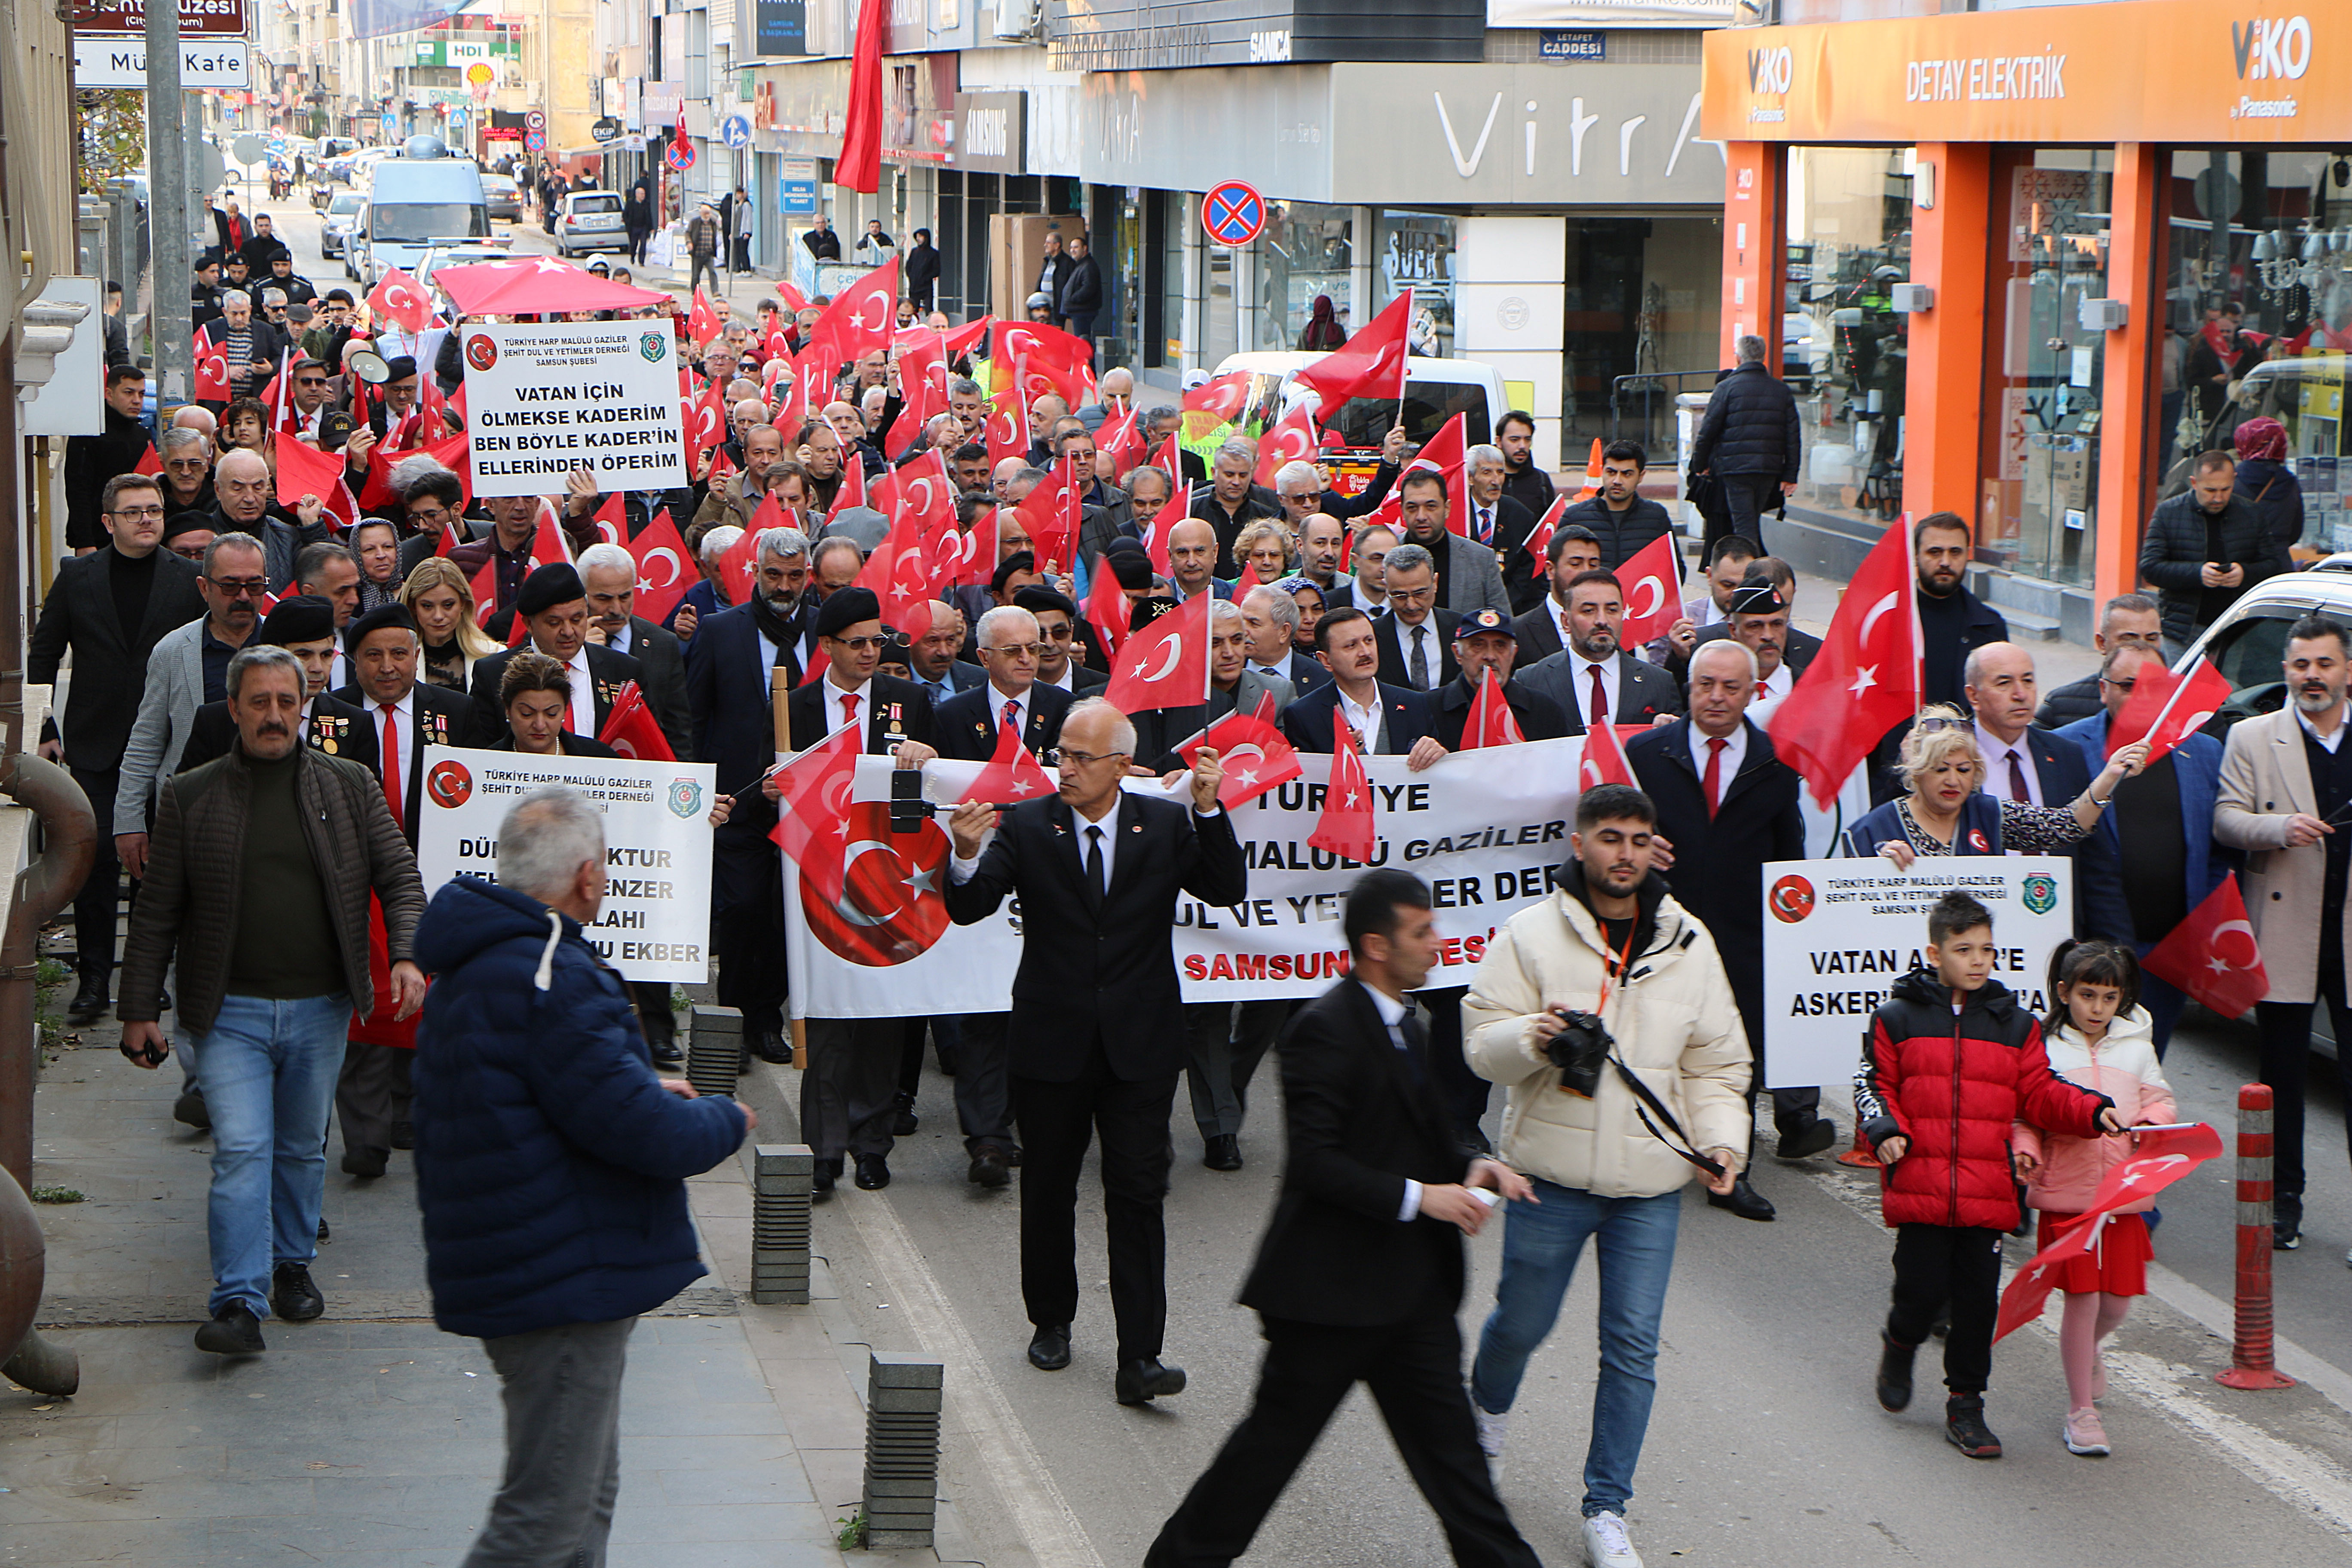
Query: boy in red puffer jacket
x,y
1952,1061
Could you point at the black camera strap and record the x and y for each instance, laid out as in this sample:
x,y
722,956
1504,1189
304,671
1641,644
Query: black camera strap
x,y
1644,1096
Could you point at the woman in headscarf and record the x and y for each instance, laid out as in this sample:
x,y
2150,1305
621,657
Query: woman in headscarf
x,y
1323,328
2266,483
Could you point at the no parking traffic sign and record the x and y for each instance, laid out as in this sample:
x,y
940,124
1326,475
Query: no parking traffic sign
x,y
1234,214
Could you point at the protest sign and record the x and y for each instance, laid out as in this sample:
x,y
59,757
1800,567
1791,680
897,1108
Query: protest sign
x,y
656,922
543,399
1487,830
1837,933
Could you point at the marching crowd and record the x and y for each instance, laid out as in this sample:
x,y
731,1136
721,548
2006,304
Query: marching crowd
x,y
254,681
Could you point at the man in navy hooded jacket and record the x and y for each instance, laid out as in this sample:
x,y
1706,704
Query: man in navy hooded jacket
x,y
552,1166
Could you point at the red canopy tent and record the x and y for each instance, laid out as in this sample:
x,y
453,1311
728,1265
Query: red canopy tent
x,y
536,286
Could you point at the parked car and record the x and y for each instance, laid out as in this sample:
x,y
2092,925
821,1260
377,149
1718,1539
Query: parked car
x,y
335,229
504,197
1435,391
589,220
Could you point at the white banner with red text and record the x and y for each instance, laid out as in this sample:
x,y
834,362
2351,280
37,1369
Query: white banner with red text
x,y
1487,829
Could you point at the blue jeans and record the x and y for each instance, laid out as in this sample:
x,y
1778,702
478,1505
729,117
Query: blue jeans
x,y
268,1072
1542,1242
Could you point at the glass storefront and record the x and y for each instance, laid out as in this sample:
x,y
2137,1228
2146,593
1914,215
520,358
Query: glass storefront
x,y
1645,299
1305,252
1417,252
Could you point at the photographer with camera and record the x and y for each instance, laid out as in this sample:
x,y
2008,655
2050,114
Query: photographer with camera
x,y
1610,1112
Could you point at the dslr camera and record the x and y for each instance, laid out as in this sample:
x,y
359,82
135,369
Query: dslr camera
x,y
1580,1050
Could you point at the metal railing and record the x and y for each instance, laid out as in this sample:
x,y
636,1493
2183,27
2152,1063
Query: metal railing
x,y
1651,386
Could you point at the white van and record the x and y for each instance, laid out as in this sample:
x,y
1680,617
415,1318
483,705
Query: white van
x,y
1436,390
420,199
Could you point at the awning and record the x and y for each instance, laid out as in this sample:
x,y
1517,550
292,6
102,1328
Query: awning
x,y
534,287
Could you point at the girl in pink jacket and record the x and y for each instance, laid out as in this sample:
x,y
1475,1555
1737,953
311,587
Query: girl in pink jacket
x,y
2100,1038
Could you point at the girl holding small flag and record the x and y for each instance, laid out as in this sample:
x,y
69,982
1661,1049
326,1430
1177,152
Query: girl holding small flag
x,y
2099,1038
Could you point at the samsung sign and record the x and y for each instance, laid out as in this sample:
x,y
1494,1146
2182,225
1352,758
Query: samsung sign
x,y
991,132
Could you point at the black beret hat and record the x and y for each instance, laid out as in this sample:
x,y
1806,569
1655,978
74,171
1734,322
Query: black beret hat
x,y
303,618
845,608
1756,599
555,583
376,620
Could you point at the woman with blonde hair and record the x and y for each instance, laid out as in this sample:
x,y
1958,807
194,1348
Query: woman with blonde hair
x,y
438,595
1266,547
1944,811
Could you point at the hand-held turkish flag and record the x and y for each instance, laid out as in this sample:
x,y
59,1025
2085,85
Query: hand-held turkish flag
x,y
2165,710
1106,608
1603,761
2213,955
1539,537
212,369
860,320
1864,679
860,167
1653,581
814,802
1346,826
1035,359
1222,399
1051,513
612,519
900,578
1371,365
549,546
397,299
702,323
958,342
922,489
662,575
1011,776
486,592
1165,665
151,461
1447,453
305,470
739,569
2160,1156
1491,723
965,558
630,728
1291,441
1155,538
852,490
1254,753
922,384
1122,436
1007,432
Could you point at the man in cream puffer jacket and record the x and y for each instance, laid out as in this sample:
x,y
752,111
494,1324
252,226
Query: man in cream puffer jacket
x,y
1598,1171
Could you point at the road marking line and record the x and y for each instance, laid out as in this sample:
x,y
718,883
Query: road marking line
x,y
2290,1473
1048,1524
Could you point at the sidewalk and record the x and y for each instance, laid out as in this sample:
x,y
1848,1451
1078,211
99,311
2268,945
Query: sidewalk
x,y
369,1438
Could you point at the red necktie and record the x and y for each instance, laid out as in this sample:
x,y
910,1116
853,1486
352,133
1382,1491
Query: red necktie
x,y
848,709
393,793
1713,783
1597,710
2017,790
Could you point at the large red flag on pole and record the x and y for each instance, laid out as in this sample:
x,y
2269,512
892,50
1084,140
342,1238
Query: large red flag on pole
x,y
860,167
1372,364
1864,679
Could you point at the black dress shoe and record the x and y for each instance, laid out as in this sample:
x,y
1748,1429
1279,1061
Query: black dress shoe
x,y
1049,1347
1142,1382
1743,1201
772,1046
403,1134
1223,1152
667,1055
292,1294
234,1331
364,1164
324,1235
821,1177
903,1120
189,1110
873,1173
1806,1141
87,1003
988,1170
1012,1156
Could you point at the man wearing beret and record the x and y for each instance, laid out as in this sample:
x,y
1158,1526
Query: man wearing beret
x,y
1757,614
848,1096
304,626
554,604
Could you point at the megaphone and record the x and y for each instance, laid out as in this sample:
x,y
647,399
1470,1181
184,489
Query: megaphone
x,y
368,366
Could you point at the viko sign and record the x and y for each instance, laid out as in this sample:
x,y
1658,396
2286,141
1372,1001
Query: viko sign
x,y
2271,48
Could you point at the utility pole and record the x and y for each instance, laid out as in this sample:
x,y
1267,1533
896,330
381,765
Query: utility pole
x,y
175,117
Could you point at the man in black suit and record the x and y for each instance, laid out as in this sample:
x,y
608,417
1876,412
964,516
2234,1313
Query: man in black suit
x,y
1592,680
1360,1271
848,1094
969,726
1542,627
1271,618
1497,521
609,574
304,626
1060,633
1483,642
1385,718
109,608
2022,763
554,604
1416,636
933,658
1725,805
1098,1017
1782,650
731,667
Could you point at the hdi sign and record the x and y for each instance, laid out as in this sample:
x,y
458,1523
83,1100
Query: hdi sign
x,y
122,62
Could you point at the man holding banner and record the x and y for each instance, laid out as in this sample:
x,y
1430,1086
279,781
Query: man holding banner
x,y
1098,1031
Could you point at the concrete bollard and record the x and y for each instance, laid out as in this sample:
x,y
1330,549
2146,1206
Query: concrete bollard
x,y
714,1050
779,1224
902,1449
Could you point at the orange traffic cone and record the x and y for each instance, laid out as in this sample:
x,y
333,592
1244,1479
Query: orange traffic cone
x,y
1591,473
1860,1155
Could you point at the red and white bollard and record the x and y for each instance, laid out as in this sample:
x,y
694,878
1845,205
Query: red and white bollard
x,y
2250,1354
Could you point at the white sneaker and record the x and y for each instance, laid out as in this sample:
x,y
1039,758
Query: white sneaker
x,y
1490,1430
1606,1544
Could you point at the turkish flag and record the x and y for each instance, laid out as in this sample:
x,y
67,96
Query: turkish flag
x,y
279,394
706,424
702,323
1865,680
397,299
1254,755
1011,776
549,547
739,569
1539,536
664,573
1222,399
814,804
793,408
794,301
486,592
1653,581
922,489
2213,955
1346,826
964,558
1036,359
780,360
900,577
1106,608
1051,512
1291,441
2165,710
1008,432
1122,436
212,369
150,461
630,728
851,492
923,384
721,466
1372,364
1491,721
958,342
2160,1156
1165,665
859,165
1603,760
613,522
305,470
860,320
1155,538
1447,453
1169,460
377,493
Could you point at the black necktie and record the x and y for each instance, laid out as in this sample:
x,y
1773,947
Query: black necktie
x,y
1094,889
1418,671
1416,1050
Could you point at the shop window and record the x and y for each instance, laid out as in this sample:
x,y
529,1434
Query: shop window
x,y
1417,252
1305,254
